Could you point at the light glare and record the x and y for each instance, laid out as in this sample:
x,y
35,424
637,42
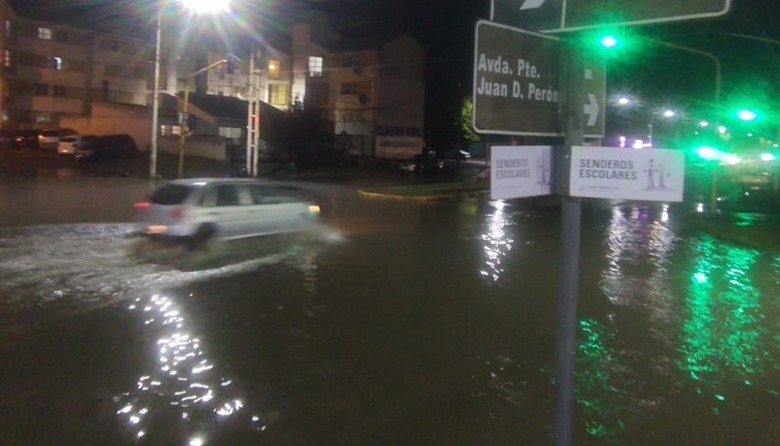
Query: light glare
x,y
746,115
206,6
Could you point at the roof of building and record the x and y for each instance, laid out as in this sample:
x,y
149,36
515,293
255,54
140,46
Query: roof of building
x,y
234,110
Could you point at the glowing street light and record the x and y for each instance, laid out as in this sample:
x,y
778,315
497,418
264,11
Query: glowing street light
x,y
609,41
200,7
207,6
746,115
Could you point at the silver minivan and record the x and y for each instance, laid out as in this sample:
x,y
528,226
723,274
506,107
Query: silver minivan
x,y
200,209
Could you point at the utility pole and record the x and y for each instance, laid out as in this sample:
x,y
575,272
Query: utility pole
x,y
253,118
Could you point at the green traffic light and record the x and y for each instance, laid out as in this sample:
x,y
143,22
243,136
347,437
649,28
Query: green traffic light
x,y
609,41
746,115
709,153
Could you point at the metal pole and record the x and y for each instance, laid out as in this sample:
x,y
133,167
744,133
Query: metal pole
x,y
572,69
256,143
712,57
185,112
714,188
155,96
250,112
184,126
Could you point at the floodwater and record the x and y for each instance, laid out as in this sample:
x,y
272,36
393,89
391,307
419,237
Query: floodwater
x,y
397,323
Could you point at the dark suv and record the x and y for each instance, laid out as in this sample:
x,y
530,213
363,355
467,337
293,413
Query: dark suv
x,y
27,138
108,147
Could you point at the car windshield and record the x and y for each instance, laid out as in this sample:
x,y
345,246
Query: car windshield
x,y
68,139
171,194
50,133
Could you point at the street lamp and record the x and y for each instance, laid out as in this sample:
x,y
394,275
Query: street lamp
x,y
667,114
199,7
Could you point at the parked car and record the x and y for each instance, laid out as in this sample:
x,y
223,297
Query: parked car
x,y
197,210
422,164
49,139
27,138
69,144
108,147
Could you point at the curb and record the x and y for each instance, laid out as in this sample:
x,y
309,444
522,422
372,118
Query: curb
x,y
420,198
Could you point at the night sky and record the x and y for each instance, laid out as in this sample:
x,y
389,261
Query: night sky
x,y
445,28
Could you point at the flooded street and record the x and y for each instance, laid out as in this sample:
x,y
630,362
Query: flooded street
x,y
395,323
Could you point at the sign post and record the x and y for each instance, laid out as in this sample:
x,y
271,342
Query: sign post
x,y
571,210
505,57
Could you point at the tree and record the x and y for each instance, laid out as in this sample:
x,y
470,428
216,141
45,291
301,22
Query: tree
x,y
468,135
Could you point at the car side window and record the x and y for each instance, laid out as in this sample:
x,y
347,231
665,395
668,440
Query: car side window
x,y
258,194
227,195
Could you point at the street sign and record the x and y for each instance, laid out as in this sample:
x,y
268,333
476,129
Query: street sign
x,y
519,171
628,174
516,81
570,15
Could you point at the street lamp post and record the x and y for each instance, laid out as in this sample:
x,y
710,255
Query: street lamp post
x,y
155,95
200,6
710,56
185,113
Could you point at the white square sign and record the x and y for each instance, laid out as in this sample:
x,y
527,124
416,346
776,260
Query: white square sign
x,y
628,174
519,171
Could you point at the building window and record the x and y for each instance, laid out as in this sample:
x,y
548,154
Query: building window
x,y
273,68
44,33
41,89
61,36
43,117
7,58
9,29
392,130
315,66
56,63
349,88
60,91
414,131
279,94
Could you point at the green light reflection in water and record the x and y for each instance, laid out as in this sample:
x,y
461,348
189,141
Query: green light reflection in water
x,y
596,374
723,343
723,318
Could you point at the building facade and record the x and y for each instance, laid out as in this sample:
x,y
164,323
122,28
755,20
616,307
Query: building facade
x,y
369,92
371,89
52,71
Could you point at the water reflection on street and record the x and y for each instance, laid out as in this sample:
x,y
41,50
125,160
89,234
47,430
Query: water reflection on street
x,y
398,323
186,395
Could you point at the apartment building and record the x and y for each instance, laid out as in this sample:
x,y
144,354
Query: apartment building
x,y
52,72
371,89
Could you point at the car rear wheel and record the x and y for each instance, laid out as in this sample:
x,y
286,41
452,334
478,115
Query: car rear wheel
x,y
201,238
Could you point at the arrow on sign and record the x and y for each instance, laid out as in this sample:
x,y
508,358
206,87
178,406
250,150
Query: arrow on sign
x,y
531,4
592,109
